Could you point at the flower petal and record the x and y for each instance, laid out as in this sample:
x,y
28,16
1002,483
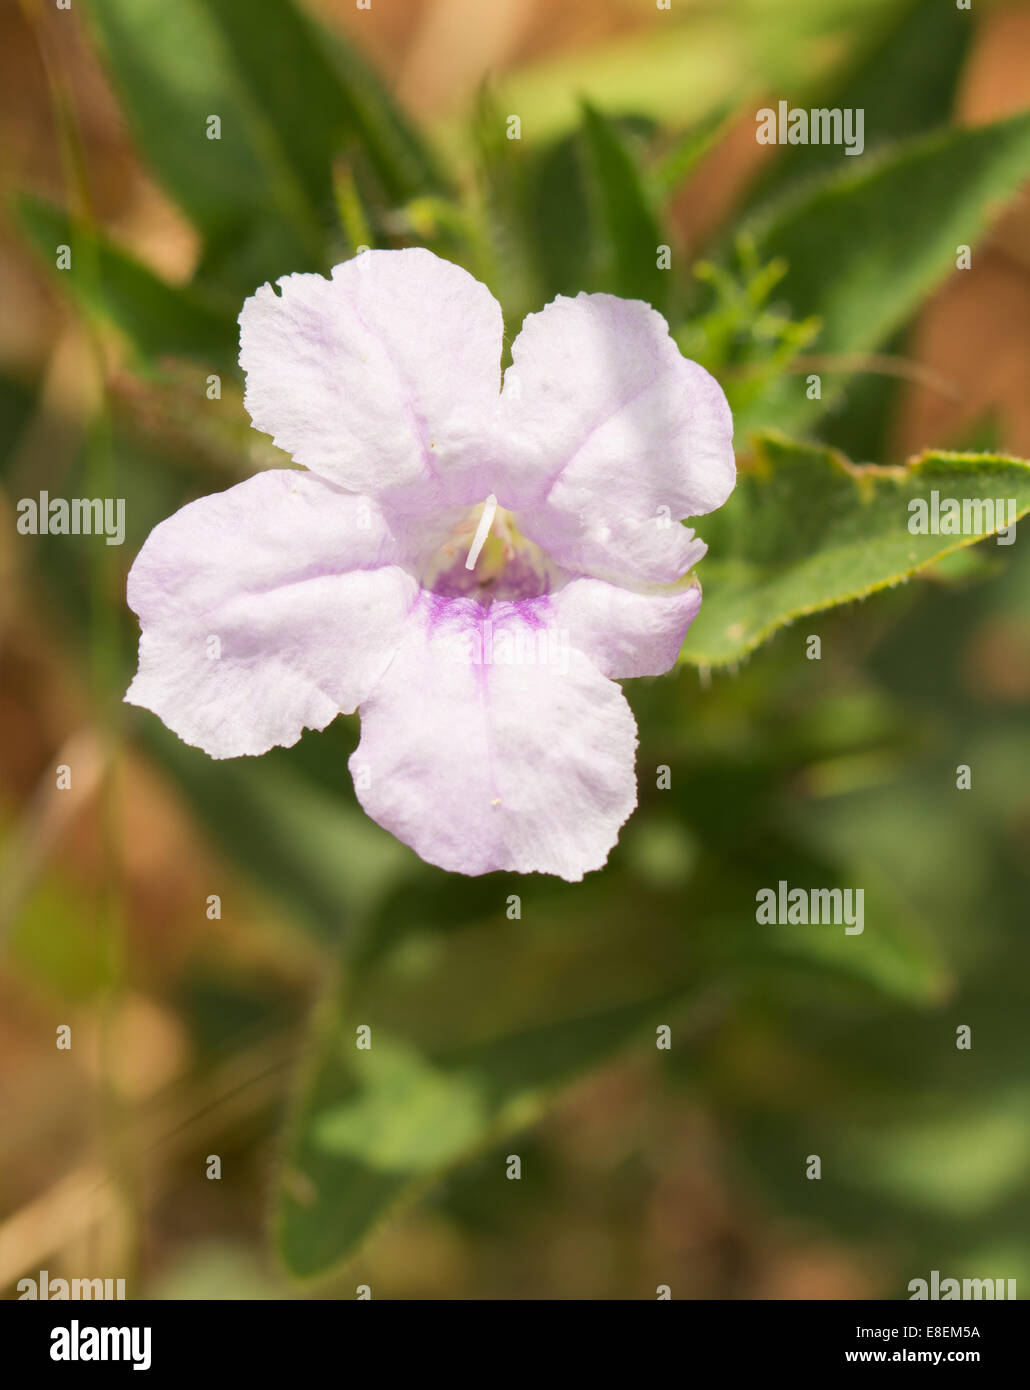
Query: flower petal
x,y
385,377
625,632
484,749
265,610
607,433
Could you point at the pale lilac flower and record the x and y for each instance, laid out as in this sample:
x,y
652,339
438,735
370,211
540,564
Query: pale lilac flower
x,y
473,567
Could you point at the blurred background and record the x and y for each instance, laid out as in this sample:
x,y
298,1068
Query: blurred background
x,y
191,1024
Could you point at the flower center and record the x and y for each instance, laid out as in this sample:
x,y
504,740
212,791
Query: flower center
x,y
488,558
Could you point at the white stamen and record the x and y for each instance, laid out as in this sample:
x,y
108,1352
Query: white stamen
x,y
482,531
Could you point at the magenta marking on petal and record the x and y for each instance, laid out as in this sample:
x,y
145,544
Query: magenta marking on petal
x,y
531,611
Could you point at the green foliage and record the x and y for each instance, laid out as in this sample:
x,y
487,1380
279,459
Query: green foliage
x,y
677,163
472,1035
377,1126
289,101
864,247
806,530
747,342
156,319
631,230
904,76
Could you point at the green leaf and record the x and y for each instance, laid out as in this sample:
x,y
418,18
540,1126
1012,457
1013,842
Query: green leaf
x,y
498,208
864,248
905,80
962,1164
907,76
632,231
904,77
892,956
403,161
562,227
174,69
380,1124
472,1035
288,101
680,161
807,530
106,283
